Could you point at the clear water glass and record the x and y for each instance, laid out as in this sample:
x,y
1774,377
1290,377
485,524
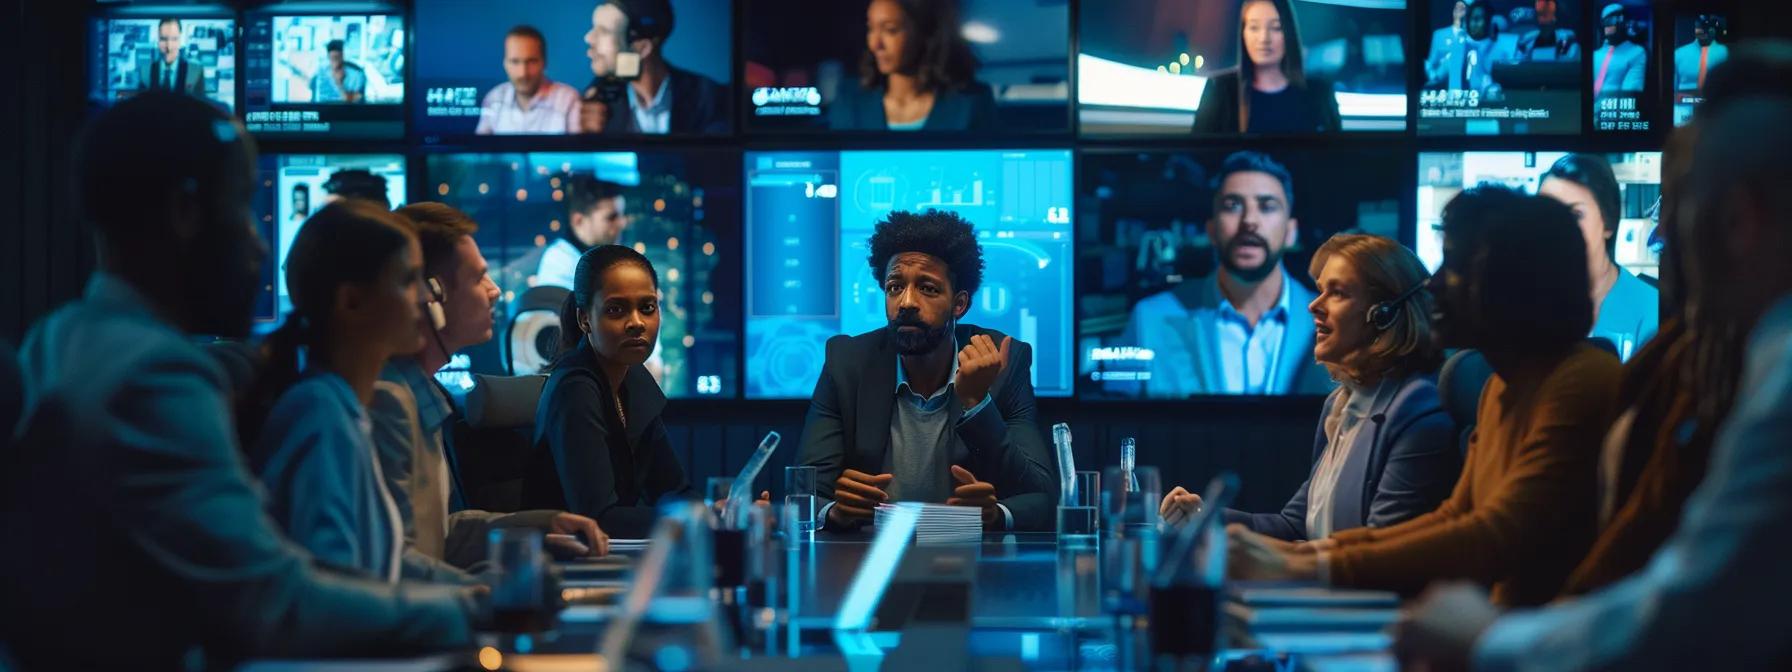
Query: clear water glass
x,y
1129,501
799,498
519,569
1078,513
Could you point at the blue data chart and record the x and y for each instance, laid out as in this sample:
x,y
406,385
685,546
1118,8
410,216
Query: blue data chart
x,y
811,214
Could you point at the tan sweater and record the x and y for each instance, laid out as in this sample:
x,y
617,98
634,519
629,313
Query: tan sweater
x,y
1525,509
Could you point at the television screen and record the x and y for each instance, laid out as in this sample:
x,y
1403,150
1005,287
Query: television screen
x,y
888,65
1505,67
190,48
332,69
1181,66
1625,90
1701,41
809,215
1624,243
293,186
537,213
1187,259
556,67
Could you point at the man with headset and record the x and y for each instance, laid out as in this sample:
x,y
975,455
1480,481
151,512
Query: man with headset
x,y
413,415
635,90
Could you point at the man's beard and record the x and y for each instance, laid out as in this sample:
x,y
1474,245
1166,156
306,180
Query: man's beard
x,y
922,342
1271,258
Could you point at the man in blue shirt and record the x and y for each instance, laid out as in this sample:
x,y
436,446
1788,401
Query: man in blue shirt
x,y
128,432
340,81
928,409
1245,330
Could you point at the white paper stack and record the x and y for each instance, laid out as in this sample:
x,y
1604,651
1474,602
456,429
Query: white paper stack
x,y
941,524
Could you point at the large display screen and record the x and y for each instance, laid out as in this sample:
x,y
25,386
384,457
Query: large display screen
x,y
1507,67
1701,41
1171,242
1632,245
1226,66
561,67
810,214
1625,90
293,186
188,48
905,65
538,212
329,69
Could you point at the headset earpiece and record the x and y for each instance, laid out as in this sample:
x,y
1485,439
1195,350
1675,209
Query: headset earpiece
x,y
1382,315
437,317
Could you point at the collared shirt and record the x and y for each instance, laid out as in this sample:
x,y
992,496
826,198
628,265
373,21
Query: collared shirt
x,y
553,110
169,70
1248,355
559,261
433,411
1710,591
1630,314
654,117
1354,414
325,90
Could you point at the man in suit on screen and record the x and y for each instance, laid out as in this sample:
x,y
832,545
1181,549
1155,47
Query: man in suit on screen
x,y
170,71
928,409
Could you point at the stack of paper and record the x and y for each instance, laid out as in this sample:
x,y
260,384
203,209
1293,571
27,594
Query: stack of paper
x,y
941,524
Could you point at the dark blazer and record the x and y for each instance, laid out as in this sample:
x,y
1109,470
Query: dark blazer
x,y
1402,466
1218,112
855,401
190,78
585,463
699,105
972,108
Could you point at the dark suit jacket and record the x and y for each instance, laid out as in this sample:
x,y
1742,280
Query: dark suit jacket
x,y
190,77
855,402
586,463
972,108
699,105
1402,466
1218,112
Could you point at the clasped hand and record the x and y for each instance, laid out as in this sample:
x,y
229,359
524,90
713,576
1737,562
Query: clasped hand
x,y
858,494
1255,557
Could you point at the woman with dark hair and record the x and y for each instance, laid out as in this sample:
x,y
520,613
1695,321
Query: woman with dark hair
x,y
1269,92
1386,451
918,73
601,450
353,274
1626,310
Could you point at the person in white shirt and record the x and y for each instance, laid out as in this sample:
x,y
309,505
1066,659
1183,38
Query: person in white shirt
x,y
598,212
529,103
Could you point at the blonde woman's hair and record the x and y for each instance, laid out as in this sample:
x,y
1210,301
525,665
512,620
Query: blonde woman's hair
x,y
1389,270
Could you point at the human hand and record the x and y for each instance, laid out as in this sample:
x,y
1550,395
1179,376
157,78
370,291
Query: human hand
x,y
1439,630
578,535
979,363
972,492
1178,507
594,115
1255,557
856,496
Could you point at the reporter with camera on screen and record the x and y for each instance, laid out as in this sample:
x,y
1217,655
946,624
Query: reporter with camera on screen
x,y
1386,452
635,89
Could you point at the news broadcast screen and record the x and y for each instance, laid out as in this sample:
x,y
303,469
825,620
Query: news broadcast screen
x,y
563,67
187,48
903,65
539,212
1701,41
1257,66
1505,67
810,216
1171,242
1625,238
1625,90
333,70
293,186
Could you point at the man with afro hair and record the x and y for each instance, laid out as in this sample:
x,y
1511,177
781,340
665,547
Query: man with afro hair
x,y
928,409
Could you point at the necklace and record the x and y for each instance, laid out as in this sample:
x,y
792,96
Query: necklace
x,y
620,413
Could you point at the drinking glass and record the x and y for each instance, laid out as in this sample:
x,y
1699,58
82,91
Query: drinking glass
x,y
799,496
1129,501
519,567
1077,514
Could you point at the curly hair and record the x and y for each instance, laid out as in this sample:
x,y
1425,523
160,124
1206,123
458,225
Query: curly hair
x,y
937,55
937,233
1529,266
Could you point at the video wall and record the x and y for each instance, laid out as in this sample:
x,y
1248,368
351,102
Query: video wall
x,y
1130,169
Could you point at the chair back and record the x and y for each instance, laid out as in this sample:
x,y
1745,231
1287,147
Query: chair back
x,y
494,439
1459,383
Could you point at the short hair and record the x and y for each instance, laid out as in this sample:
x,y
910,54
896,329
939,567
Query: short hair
x,y
528,31
938,233
647,19
1527,264
1594,173
1255,162
334,45
1487,6
440,228
1390,270
584,191
167,21
132,160
358,183
938,53
587,282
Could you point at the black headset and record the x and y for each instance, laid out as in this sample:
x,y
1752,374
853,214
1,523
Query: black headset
x,y
438,319
1382,315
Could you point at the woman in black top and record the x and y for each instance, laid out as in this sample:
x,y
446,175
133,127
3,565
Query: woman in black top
x,y
1269,92
918,73
601,450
